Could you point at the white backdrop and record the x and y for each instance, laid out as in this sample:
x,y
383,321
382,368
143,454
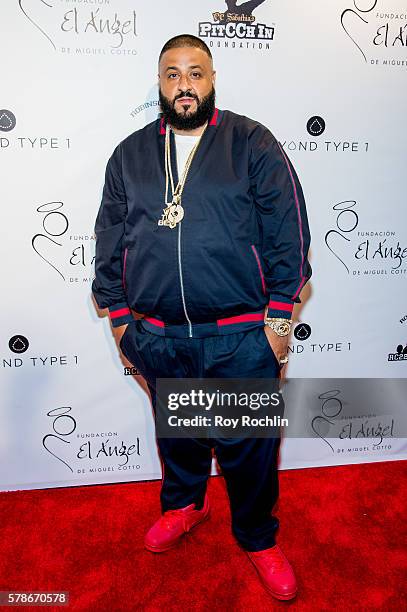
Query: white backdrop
x,y
328,79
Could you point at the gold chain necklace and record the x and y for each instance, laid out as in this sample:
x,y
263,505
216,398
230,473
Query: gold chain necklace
x,y
173,212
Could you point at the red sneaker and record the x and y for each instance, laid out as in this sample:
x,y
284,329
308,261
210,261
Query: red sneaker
x,y
172,525
275,572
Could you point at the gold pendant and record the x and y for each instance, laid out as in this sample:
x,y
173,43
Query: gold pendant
x,y
172,214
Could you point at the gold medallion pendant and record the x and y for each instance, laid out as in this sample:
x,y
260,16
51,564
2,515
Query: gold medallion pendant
x,y
172,214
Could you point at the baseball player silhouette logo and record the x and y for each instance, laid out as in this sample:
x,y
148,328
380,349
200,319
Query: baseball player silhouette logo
x,y
246,8
243,10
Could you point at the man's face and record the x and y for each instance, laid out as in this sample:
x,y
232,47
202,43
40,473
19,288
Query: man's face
x,y
186,80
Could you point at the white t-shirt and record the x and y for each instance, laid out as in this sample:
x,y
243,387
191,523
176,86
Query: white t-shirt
x,y
184,146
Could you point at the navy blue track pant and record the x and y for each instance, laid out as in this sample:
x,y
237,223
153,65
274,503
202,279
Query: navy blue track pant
x,y
249,465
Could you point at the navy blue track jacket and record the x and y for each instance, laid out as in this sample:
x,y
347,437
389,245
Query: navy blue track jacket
x,y
242,244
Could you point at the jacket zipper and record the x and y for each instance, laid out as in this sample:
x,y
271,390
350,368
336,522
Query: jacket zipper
x,y
182,282
124,268
263,284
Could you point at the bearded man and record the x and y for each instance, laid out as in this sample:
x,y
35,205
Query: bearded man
x,y
202,232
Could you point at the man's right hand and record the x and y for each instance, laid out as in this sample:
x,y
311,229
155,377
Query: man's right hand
x,y
118,332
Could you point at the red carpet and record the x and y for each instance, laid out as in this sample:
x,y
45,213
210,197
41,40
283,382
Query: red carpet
x,y
342,528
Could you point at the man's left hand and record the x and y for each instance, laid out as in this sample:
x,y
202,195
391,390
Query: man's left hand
x,y
279,344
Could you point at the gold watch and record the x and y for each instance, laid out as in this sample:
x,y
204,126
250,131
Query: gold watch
x,y
281,326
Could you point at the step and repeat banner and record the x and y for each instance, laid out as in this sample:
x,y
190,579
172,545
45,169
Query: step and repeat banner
x,y
329,80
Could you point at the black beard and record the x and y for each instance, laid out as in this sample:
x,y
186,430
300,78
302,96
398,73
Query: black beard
x,y
192,121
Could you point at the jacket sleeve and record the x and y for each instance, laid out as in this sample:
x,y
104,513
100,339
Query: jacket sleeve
x,y
107,286
282,215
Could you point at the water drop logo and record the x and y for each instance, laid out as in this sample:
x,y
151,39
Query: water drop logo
x,y
316,126
302,331
18,344
7,120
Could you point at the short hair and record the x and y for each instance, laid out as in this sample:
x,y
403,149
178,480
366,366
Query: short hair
x,y
185,40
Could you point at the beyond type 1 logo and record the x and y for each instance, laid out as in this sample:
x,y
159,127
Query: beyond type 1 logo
x,y
331,143
8,122
237,23
19,344
302,332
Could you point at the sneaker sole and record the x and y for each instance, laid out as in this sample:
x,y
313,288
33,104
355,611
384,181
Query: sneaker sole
x,y
284,597
157,549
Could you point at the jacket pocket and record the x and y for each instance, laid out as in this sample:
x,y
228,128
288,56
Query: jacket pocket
x,y
260,269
